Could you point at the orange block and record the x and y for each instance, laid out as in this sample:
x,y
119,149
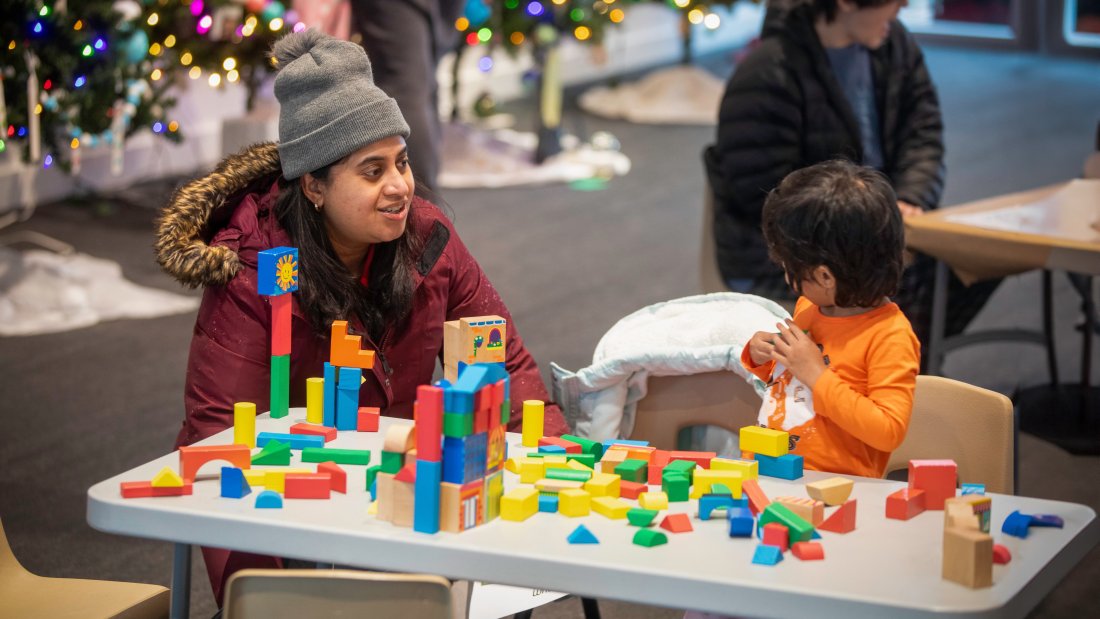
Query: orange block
x,y
905,503
776,534
337,475
407,473
757,499
657,461
677,523
144,489
310,428
345,350
631,489
193,457
808,551
368,419
843,520
702,458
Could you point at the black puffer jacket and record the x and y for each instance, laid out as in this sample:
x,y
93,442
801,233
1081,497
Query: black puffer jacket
x,y
784,109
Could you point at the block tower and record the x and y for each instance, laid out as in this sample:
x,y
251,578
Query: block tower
x,y
276,279
343,376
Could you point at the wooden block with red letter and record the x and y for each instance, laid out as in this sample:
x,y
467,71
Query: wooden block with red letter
x,y
751,489
367,419
904,504
776,534
193,457
677,523
309,428
345,350
809,510
937,478
843,520
968,557
808,551
701,458
569,446
429,423
307,486
338,477
145,489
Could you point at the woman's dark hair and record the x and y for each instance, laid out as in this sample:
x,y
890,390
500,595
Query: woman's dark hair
x,y
326,290
828,8
842,216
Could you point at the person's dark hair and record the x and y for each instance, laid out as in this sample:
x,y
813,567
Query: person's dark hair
x,y
326,290
828,8
842,216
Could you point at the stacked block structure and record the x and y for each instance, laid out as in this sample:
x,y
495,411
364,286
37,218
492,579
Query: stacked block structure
x,y
277,279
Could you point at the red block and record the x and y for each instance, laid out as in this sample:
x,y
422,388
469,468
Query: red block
x,y
702,458
936,477
367,420
309,428
904,504
677,523
631,489
192,457
307,486
496,399
481,410
571,448
657,462
776,534
429,423
280,324
808,551
407,473
843,520
337,475
145,489
757,499
1001,555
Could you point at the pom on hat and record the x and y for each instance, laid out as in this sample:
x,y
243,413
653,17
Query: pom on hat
x,y
294,45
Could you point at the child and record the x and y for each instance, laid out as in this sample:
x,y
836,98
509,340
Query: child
x,y
840,374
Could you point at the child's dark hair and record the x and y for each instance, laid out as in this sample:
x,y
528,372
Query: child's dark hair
x,y
829,8
842,216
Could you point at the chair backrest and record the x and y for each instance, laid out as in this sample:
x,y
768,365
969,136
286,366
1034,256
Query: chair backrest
x,y
673,403
320,594
710,279
970,425
8,563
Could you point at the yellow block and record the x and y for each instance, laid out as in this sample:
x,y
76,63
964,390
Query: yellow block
x,y
653,500
556,459
557,485
244,424
533,415
577,466
373,509
519,504
612,507
531,470
832,491
512,465
276,480
603,484
749,469
167,478
555,463
315,400
574,502
764,441
255,477
705,478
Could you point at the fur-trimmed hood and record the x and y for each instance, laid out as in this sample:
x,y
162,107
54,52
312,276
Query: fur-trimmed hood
x,y
197,209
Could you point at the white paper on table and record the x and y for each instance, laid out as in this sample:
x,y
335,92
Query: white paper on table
x,y
488,601
1071,213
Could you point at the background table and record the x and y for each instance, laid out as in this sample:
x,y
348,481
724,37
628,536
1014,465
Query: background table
x,y
883,568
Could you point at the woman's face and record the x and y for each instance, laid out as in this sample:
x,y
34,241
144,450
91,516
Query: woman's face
x,y
366,198
869,26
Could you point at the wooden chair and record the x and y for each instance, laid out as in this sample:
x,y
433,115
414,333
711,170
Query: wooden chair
x,y
672,403
23,594
320,594
974,427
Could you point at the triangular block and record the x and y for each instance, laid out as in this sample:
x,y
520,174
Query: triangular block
x,y
641,517
767,555
581,535
167,478
843,520
677,523
274,453
406,474
337,475
233,483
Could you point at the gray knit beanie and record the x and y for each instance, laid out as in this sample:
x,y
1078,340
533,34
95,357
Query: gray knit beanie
x,y
329,105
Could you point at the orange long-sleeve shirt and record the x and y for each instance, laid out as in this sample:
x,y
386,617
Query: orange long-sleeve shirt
x,y
858,412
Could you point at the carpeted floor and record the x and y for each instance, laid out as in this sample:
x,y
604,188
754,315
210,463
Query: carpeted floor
x,y
81,406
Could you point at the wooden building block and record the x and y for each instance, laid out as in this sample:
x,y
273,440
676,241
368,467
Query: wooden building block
x,y
800,530
609,506
757,499
568,474
269,499
450,506
808,509
279,400
296,441
969,511
808,551
581,535
968,557
315,400
705,478
277,271
832,491
429,474
385,490
764,441
749,469
367,419
568,446
345,350
588,446
631,490
475,339
276,480
653,500
145,489
612,458
404,503
937,478
534,413
329,434
167,478
244,424
843,520
328,408
905,503
650,538
233,483
641,517
531,470
699,458
767,555
429,423
307,486
193,457
274,453
677,523
657,461
280,324
338,477
604,484
339,456
400,438
557,485
519,504
787,466
775,534
1001,555
574,502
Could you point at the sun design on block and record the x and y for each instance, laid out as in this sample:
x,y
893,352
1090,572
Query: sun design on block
x,y
286,272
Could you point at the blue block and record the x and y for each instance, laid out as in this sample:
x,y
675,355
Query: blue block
x,y
767,555
548,503
442,383
581,535
374,490
787,466
347,398
477,454
454,459
277,271
269,499
815,535
426,506
710,502
473,378
551,449
973,489
622,441
330,396
1016,525
234,485
296,441
741,521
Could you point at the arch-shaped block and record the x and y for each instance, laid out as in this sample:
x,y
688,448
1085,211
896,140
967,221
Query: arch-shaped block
x,y
192,458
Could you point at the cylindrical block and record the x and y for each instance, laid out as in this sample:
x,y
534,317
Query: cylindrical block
x,y
533,411
244,424
315,400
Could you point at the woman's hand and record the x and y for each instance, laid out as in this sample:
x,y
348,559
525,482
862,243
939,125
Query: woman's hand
x,y
798,353
762,347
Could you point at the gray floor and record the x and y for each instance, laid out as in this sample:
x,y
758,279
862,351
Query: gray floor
x,y
81,406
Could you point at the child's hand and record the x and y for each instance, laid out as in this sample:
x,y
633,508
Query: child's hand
x,y
795,350
761,347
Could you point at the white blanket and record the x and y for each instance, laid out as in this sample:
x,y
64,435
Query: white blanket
x,y
704,333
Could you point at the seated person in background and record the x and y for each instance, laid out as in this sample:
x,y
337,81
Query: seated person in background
x,y
339,187
841,374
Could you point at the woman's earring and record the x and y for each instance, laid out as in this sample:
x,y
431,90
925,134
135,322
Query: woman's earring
x,y
317,207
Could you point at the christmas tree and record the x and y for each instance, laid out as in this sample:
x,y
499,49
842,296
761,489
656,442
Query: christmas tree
x,y
75,77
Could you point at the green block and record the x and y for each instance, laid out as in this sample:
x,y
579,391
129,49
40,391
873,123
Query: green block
x,y
280,386
505,412
372,473
720,489
568,474
633,469
457,425
684,467
641,517
799,529
587,446
273,454
650,538
588,460
392,462
339,456
676,486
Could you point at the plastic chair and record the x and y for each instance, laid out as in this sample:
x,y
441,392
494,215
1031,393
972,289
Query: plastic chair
x,y
710,278
293,594
672,403
974,427
23,594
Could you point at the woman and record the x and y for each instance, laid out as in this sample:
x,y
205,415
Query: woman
x,y
339,188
